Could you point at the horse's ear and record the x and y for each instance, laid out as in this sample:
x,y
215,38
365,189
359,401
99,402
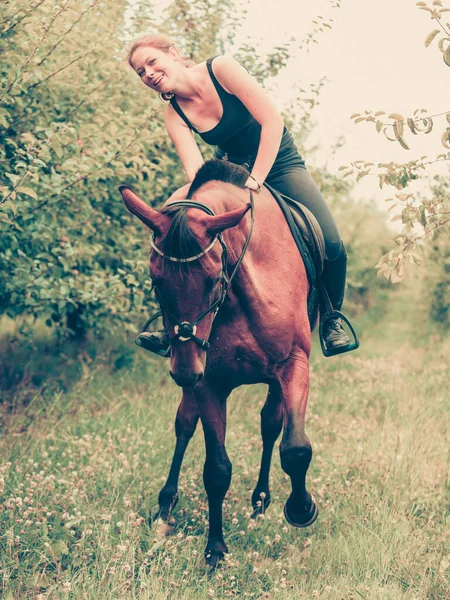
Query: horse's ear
x,y
219,223
152,218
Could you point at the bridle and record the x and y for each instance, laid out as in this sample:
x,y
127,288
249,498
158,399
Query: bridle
x,y
185,330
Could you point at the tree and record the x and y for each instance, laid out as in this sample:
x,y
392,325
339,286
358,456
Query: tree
x,y
73,128
423,218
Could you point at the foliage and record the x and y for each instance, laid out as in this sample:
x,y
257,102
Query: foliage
x,y
422,217
438,280
73,128
365,235
75,124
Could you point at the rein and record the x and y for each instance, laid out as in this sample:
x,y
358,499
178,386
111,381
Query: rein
x,y
185,330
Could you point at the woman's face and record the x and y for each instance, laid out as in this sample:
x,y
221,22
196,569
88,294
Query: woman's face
x,y
156,68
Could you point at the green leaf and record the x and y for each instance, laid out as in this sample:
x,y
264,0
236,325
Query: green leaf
x,y
13,177
27,191
12,207
59,549
423,217
430,37
446,56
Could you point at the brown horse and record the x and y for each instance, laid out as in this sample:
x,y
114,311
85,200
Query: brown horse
x,y
252,329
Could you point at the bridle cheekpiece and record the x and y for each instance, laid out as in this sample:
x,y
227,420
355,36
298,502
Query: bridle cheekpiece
x,y
185,330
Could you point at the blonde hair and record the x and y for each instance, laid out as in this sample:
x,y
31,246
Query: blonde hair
x,y
162,42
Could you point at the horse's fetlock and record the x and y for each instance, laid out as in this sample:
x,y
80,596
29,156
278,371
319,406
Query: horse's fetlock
x,y
217,475
168,496
260,496
295,459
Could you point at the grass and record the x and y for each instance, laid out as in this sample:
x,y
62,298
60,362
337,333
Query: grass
x,y
81,468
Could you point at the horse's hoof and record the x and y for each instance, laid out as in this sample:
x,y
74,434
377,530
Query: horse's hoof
x,y
163,528
304,520
215,552
213,559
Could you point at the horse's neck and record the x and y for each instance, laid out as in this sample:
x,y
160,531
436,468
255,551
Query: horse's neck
x,y
221,197
268,294
269,227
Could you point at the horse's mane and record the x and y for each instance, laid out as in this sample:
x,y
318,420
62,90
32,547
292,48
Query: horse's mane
x,y
179,240
219,170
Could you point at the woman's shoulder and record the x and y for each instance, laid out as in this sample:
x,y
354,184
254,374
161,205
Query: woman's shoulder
x,y
226,69
223,61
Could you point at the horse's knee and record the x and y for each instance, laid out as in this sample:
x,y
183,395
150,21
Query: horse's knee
x,y
295,459
271,422
217,476
185,425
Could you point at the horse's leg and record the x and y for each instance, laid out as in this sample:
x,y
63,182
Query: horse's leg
x,y
185,424
217,469
295,449
271,425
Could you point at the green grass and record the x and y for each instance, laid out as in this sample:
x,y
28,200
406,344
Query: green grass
x,y
81,468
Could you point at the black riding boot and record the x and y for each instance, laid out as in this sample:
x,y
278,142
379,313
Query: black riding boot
x,y
157,342
334,272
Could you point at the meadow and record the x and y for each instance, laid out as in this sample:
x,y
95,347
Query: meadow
x,y
81,466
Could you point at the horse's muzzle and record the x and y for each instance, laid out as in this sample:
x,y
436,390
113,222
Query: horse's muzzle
x,y
186,378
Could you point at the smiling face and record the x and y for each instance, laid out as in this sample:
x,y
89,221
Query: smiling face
x,y
157,68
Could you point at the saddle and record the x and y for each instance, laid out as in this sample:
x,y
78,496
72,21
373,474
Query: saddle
x,y
310,242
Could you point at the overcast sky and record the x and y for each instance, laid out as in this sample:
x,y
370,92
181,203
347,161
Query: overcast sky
x,y
375,59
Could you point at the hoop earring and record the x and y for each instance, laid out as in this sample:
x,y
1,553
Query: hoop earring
x,y
166,96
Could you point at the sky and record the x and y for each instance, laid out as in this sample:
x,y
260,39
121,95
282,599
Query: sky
x,y
375,59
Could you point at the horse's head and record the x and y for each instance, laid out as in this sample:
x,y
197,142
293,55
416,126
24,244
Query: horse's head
x,y
187,268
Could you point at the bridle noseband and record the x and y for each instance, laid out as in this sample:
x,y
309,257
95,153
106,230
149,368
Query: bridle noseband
x,y
185,330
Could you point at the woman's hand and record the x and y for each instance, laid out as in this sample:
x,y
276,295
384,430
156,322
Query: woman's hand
x,y
180,193
252,184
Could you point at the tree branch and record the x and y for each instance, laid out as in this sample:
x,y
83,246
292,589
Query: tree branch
x,y
421,237
83,177
22,18
66,33
63,68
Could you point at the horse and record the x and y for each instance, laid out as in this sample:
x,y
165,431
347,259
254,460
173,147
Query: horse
x,y
233,292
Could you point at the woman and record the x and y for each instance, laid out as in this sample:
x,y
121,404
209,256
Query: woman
x,y
222,103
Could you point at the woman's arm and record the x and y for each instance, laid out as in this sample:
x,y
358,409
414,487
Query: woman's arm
x,y
184,141
236,80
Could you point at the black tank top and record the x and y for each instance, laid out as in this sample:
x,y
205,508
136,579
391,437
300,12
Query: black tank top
x,y
237,133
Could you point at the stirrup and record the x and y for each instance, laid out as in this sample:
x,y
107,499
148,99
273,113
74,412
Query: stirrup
x,y
336,314
141,341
